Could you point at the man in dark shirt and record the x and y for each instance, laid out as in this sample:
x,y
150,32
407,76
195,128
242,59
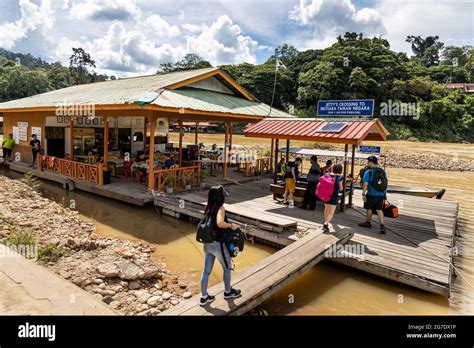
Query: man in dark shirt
x,y
313,177
35,148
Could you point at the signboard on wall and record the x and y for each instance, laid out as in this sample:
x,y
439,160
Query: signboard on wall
x,y
22,131
16,134
37,131
354,107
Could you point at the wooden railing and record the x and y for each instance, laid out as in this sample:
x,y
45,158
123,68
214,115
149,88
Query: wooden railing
x,y
87,172
177,178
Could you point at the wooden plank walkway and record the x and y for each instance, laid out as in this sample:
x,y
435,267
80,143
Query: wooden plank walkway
x,y
262,280
415,251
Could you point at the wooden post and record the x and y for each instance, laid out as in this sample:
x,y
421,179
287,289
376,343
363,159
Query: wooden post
x,y
287,150
271,154
225,150
343,199
151,155
275,174
231,130
144,132
106,142
71,139
351,192
180,151
196,134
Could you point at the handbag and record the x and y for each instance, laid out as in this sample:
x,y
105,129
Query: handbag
x,y
389,210
205,230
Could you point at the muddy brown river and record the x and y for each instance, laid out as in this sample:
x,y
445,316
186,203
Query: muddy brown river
x,y
326,288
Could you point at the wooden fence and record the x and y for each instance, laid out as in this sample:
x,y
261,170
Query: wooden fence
x,y
177,177
92,173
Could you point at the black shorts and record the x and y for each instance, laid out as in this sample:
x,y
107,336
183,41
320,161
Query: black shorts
x,y
374,202
7,153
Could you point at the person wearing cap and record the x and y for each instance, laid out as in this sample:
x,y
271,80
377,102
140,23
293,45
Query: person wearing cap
x,y
313,176
373,198
212,251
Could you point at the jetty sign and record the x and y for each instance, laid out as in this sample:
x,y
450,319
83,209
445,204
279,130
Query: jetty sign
x,y
354,107
369,149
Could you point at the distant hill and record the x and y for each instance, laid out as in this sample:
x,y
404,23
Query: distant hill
x,y
25,59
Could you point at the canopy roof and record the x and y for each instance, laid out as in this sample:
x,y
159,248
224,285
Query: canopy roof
x,y
328,153
353,131
201,91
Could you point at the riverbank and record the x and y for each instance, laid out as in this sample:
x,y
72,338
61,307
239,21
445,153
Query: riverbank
x,y
120,273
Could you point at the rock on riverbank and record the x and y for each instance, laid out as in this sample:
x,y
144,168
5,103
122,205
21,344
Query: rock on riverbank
x,y
119,272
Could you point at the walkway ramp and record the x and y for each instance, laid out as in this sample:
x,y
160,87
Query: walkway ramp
x,y
263,279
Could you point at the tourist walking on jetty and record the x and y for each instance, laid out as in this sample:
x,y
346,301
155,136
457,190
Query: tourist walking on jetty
x,y
215,210
374,192
330,183
291,176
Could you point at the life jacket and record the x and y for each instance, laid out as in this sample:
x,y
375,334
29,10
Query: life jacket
x,y
325,187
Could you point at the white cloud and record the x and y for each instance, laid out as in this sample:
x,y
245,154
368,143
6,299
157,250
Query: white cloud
x,y
222,42
161,28
122,51
32,17
451,20
108,10
334,17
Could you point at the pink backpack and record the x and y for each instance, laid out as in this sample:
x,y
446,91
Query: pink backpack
x,y
325,188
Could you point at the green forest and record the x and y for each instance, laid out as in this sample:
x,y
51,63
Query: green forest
x,y
354,67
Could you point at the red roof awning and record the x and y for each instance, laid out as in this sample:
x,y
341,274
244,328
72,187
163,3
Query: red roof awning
x,y
355,131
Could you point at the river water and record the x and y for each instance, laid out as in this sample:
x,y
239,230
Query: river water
x,y
326,288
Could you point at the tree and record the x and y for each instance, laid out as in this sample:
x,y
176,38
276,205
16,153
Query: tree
x,y
426,50
451,52
189,62
259,79
358,81
285,53
78,63
318,83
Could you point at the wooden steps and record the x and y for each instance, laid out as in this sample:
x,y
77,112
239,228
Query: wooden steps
x,y
260,281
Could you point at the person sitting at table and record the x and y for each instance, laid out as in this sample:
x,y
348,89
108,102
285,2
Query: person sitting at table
x,y
169,161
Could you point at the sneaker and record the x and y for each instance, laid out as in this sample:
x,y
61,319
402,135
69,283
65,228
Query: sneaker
x,y
366,224
303,207
382,229
325,228
232,293
208,299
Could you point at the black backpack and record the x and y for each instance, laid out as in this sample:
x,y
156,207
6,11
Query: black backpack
x,y
205,232
233,240
379,180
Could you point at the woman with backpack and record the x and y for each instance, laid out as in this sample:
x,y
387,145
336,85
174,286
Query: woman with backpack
x,y
330,205
215,210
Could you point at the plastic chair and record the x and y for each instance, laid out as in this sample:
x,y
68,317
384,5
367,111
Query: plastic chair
x,y
127,169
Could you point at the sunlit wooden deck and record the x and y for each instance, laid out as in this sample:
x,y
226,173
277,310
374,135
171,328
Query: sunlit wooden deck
x,y
415,251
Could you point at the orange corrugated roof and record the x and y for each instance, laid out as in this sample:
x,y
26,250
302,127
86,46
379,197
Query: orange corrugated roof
x,y
355,131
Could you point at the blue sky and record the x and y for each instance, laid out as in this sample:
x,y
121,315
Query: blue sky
x,y
132,37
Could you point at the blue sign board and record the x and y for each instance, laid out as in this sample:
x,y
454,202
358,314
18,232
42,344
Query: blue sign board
x,y
355,107
369,149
